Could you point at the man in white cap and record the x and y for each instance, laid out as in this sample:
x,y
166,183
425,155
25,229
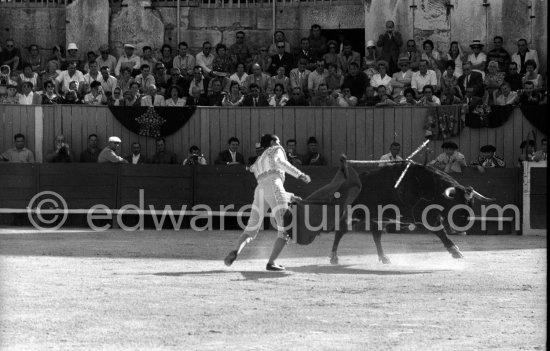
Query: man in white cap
x,y
108,154
477,58
128,59
73,56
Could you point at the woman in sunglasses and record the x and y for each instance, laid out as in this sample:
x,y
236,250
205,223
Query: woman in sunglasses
x,y
49,97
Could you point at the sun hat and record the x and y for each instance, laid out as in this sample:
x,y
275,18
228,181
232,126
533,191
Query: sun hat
x,y
476,43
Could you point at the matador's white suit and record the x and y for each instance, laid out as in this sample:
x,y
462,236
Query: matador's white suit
x,y
269,170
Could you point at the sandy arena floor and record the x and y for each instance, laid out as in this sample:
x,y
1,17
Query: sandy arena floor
x,y
78,290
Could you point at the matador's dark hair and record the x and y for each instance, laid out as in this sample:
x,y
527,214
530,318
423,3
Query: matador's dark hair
x,y
266,140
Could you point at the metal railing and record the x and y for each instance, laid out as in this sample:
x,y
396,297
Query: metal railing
x,y
236,3
34,3
116,4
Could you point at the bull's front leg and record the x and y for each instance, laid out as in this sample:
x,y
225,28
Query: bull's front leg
x,y
377,236
337,237
343,228
448,243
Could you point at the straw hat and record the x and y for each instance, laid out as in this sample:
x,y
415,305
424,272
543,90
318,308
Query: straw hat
x,y
476,43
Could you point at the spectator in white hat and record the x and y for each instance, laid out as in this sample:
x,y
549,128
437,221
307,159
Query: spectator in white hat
x,y
477,57
108,154
371,56
73,56
128,59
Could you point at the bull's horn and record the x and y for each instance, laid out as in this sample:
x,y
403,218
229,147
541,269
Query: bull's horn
x,y
449,192
481,197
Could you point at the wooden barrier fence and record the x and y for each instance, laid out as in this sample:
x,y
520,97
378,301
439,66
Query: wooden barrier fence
x,y
361,133
217,188
85,185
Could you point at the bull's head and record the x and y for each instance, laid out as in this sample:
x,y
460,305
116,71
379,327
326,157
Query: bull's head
x,y
468,194
461,195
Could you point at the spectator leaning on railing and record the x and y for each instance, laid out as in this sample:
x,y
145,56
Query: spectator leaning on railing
x,y
313,157
450,160
195,157
61,153
108,154
136,157
19,154
230,156
488,159
92,151
393,155
163,156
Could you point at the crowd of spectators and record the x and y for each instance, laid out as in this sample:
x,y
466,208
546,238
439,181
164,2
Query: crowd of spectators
x,y
319,72
450,160
62,152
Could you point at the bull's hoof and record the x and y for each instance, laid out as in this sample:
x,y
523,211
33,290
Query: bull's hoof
x,y
455,252
384,259
334,259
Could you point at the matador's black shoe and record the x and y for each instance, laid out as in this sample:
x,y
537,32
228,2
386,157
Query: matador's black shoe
x,y
274,267
230,258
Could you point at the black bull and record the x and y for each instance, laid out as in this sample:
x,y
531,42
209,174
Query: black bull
x,y
327,208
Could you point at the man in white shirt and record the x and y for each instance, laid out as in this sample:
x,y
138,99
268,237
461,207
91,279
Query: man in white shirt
x,y
128,59
205,59
145,78
92,76
424,76
108,155
66,77
108,82
152,98
428,98
524,54
318,76
28,97
393,155
450,160
299,76
184,61
198,81
401,80
95,96
19,153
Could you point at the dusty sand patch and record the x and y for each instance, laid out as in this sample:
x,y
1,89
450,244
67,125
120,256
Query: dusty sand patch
x,y
170,290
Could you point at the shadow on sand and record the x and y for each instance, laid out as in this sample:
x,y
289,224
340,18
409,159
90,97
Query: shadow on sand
x,y
310,269
248,275
346,269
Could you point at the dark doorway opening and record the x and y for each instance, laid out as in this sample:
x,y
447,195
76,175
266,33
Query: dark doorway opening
x,y
355,36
